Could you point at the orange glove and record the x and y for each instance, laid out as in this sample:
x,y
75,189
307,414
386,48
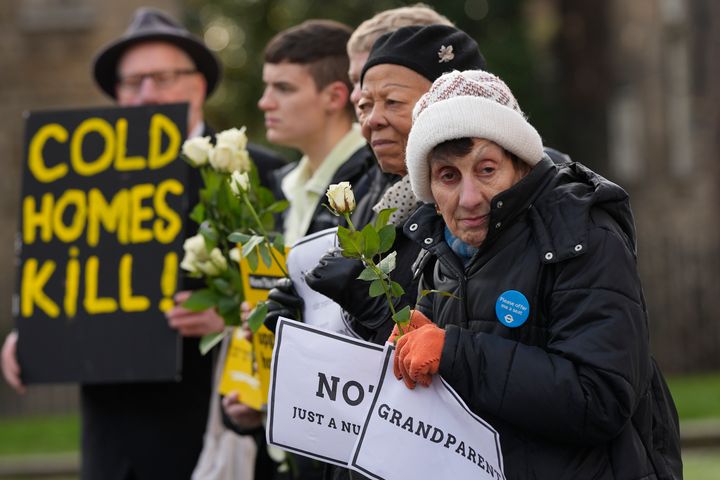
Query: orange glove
x,y
417,320
417,355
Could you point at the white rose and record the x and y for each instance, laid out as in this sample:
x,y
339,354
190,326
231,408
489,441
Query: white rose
x,y
189,262
194,251
239,182
214,264
207,268
226,158
233,137
341,197
195,245
197,150
222,157
241,161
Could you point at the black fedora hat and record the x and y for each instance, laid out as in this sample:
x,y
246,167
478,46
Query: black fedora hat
x,y
150,24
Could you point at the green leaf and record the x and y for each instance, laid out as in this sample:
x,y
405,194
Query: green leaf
x,y
396,290
207,342
368,274
198,213
257,316
376,288
238,237
268,220
387,238
222,285
201,300
209,234
402,317
279,243
388,263
350,242
250,245
229,305
225,197
265,254
264,196
278,206
383,218
371,241
252,259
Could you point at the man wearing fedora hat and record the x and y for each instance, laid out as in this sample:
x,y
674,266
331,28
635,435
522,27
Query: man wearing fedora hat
x,y
153,430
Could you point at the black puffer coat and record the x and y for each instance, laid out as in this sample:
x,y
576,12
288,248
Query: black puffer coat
x,y
573,392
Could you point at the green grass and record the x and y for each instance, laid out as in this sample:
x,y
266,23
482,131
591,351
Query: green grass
x,y
43,434
701,465
696,396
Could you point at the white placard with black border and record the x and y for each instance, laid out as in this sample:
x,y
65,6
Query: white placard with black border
x,y
321,386
318,309
424,433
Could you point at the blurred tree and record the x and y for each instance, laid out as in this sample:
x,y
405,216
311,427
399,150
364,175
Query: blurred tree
x,y
514,35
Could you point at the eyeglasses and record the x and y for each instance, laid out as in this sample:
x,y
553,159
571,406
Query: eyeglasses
x,y
162,79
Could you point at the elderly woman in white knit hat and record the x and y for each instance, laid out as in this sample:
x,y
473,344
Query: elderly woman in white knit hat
x,y
546,333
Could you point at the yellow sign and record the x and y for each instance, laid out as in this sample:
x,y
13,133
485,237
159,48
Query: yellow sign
x,y
247,365
257,284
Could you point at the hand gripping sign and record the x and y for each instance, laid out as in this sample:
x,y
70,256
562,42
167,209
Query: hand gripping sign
x,y
424,433
334,398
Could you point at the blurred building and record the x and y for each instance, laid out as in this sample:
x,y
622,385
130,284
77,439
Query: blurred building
x,y
641,103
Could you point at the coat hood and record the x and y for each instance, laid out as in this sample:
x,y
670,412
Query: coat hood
x,y
562,214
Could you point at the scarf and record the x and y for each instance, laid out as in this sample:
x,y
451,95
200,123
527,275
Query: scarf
x,y
460,248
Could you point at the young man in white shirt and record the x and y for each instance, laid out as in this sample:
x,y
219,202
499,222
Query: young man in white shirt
x,y
307,106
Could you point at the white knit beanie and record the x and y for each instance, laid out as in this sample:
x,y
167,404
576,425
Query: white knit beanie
x,y
473,104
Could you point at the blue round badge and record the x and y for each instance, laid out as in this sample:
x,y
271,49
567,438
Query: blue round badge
x,y
512,308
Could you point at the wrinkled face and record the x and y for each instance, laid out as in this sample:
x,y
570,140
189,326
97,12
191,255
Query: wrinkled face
x,y
156,73
389,93
357,62
294,108
463,187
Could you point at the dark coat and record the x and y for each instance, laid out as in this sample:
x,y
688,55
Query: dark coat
x,y
353,171
154,430
573,392
344,287
336,277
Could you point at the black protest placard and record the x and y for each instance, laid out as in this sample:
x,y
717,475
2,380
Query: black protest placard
x,y
102,222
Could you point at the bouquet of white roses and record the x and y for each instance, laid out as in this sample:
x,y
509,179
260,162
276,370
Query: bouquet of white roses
x,y
233,208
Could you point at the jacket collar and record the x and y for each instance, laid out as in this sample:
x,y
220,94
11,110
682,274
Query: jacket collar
x,y
509,204
425,227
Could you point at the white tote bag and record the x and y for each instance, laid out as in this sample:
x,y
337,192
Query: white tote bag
x,y
225,454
